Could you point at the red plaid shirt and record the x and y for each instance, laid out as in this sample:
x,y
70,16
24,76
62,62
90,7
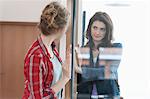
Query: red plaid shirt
x,y
38,72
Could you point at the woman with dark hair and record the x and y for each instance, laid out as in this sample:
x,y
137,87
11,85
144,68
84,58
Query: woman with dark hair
x,y
45,74
99,34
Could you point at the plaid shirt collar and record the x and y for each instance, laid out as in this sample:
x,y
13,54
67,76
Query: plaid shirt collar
x,y
43,47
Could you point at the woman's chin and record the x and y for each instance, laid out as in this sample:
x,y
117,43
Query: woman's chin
x,y
97,40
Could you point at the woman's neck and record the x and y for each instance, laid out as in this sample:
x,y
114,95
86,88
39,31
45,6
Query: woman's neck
x,y
48,40
96,44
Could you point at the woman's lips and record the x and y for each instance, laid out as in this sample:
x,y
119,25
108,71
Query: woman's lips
x,y
98,36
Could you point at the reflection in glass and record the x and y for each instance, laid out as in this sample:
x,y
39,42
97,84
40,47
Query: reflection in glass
x,y
99,60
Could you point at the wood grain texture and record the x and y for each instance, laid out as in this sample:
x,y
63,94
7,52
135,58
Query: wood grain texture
x,y
16,38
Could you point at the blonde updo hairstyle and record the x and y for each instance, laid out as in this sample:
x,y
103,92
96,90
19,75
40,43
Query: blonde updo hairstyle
x,y
53,17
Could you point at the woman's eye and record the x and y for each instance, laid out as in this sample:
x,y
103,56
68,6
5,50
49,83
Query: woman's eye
x,y
95,27
103,29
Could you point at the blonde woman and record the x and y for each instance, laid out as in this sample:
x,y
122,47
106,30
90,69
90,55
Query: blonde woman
x,y
45,74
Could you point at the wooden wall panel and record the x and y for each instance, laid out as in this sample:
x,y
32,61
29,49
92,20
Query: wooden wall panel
x,y
16,39
0,61
68,42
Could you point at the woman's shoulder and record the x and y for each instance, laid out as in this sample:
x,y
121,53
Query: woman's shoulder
x,y
117,45
34,50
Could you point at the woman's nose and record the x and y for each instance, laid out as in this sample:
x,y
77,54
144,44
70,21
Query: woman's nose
x,y
98,32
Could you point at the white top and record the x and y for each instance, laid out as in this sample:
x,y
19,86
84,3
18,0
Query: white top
x,y
57,67
94,60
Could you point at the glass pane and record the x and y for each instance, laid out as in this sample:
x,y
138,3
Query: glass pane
x,y
108,55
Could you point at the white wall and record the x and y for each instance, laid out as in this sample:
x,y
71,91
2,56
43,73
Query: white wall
x,y
131,28
22,10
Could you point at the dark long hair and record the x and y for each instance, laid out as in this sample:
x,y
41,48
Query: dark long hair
x,y
103,17
107,40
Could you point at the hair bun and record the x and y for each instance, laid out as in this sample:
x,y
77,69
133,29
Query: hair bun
x,y
54,16
49,15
